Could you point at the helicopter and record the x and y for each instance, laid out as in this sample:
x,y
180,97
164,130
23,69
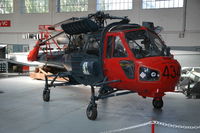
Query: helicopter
x,y
116,58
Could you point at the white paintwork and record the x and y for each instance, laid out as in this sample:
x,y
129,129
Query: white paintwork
x,y
21,58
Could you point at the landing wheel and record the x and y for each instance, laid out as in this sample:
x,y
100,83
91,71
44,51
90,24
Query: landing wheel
x,y
46,95
157,103
91,112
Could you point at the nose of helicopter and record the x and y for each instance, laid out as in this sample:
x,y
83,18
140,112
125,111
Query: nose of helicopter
x,y
169,73
161,73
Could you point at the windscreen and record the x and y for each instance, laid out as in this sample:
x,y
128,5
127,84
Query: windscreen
x,y
144,43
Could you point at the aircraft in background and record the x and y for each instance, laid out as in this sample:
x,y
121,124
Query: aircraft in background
x,y
13,58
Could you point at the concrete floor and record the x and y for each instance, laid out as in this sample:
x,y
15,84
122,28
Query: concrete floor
x,y
22,110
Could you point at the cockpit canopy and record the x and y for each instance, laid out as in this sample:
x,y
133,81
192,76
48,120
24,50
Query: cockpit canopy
x,y
145,43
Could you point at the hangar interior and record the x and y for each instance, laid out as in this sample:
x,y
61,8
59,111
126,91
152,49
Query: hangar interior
x,y
21,106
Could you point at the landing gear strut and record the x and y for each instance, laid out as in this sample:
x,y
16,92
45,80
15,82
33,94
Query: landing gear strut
x,y
65,75
157,103
104,92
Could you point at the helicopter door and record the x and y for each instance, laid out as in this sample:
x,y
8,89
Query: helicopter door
x,y
117,62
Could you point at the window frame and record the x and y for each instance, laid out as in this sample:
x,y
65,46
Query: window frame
x,y
121,1
111,47
60,10
11,48
12,7
174,7
24,8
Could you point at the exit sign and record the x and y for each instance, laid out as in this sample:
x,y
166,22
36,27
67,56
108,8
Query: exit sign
x,y
5,23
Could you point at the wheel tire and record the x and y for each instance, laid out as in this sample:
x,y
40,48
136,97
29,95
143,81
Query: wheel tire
x,y
46,95
157,103
91,112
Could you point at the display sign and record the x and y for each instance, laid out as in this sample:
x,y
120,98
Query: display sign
x,y
5,23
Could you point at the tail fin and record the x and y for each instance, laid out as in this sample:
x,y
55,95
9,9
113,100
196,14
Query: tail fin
x,y
33,54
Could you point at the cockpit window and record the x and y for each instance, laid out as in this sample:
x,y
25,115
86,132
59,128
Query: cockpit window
x,y
145,44
115,48
119,50
92,47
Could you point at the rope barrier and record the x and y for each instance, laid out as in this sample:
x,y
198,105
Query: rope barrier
x,y
127,128
153,123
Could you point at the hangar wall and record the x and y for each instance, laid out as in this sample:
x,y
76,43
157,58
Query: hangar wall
x,y
170,19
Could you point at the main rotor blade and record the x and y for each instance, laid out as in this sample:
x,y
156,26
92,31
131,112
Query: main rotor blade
x,y
63,22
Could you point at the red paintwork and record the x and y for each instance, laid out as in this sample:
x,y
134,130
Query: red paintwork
x,y
33,54
113,71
